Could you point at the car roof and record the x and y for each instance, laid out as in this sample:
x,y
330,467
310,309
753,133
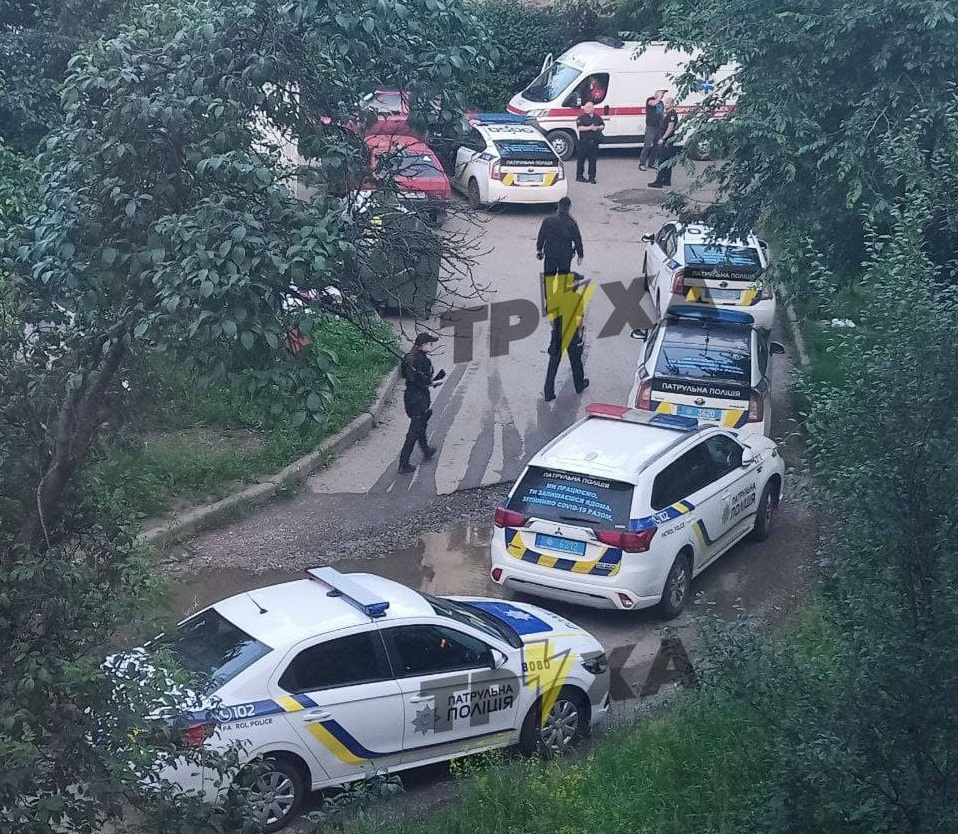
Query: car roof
x,y
722,334
284,614
383,142
503,130
697,233
608,448
621,56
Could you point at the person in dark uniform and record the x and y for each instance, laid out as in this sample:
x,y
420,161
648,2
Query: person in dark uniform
x,y
590,126
559,239
666,144
417,370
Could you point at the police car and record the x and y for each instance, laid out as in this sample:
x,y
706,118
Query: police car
x,y
325,677
624,508
688,265
713,365
505,159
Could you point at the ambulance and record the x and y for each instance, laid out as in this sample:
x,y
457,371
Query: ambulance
x,y
617,76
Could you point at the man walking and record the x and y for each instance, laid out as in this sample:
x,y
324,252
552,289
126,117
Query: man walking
x,y
666,144
654,109
416,369
590,126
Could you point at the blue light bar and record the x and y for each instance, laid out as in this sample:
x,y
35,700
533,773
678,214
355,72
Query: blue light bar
x,y
639,415
688,311
350,590
674,421
500,118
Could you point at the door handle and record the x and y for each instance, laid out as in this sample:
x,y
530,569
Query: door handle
x,y
418,699
317,715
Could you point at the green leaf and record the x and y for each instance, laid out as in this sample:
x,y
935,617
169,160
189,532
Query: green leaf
x,y
247,339
109,255
238,233
314,402
229,328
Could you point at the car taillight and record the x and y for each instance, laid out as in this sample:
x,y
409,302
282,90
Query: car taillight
x,y
194,735
561,173
509,518
495,172
496,574
756,409
631,542
644,398
678,283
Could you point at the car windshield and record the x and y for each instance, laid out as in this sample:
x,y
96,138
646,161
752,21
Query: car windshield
x,y
406,163
552,83
706,350
211,647
385,102
569,498
463,612
740,259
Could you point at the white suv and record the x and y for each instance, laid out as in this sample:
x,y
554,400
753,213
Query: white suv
x,y
624,508
688,265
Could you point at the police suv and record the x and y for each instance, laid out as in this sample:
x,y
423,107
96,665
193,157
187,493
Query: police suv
x,y
322,678
710,364
505,159
624,508
688,265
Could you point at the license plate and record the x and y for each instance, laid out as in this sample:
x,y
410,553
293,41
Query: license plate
x,y
565,545
528,177
700,413
725,295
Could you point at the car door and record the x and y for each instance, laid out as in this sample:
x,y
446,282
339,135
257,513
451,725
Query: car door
x,y
343,702
658,254
730,499
456,690
468,160
684,482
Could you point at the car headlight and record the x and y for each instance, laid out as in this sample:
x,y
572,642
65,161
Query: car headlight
x,y
596,665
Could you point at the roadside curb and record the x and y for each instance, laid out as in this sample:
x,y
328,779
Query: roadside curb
x,y
210,515
796,331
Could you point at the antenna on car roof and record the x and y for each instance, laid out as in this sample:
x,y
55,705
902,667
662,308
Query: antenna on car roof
x,y
253,600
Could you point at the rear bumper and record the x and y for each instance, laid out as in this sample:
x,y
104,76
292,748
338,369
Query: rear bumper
x,y
526,194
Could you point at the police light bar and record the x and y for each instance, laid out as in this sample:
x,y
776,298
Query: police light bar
x,y
500,118
638,415
350,590
688,311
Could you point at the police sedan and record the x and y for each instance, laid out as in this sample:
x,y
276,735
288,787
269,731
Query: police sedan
x,y
324,677
690,265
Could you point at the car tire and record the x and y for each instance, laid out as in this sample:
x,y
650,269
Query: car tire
x,y
475,196
273,795
563,143
676,589
764,515
565,726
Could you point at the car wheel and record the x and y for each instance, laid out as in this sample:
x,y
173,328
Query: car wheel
x,y
676,589
766,511
560,731
273,794
475,198
563,143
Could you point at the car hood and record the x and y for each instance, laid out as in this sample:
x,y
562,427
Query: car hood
x,y
534,624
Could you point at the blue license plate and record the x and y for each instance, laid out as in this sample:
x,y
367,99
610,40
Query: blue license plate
x,y
700,413
565,545
529,177
725,295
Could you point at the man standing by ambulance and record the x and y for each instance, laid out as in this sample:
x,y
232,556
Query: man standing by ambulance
x,y
590,126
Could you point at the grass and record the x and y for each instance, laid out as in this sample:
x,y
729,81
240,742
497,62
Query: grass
x,y
186,443
701,766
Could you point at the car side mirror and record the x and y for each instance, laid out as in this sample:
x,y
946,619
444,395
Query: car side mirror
x,y
496,659
648,238
748,456
763,244
640,333
776,347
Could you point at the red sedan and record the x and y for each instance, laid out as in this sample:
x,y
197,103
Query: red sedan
x,y
414,169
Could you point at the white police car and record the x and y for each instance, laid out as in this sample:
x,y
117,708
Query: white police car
x,y
624,508
505,159
709,364
685,265
323,677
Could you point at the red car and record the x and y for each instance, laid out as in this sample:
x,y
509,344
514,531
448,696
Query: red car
x,y
414,168
392,107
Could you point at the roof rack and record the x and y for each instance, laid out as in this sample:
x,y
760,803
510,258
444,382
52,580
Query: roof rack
x,y
647,418
351,591
689,311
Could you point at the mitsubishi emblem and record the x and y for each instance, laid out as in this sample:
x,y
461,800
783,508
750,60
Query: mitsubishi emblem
x,y
724,284
700,401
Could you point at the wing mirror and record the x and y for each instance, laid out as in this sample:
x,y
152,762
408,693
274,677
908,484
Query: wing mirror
x,y
748,456
497,659
763,244
640,333
648,238
776,347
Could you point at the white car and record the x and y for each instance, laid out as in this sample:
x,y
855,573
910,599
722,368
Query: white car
x,y
624,508
713,365
325,677
688,265
504,159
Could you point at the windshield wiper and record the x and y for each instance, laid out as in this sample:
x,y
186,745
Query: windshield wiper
x,y
575,518
670,365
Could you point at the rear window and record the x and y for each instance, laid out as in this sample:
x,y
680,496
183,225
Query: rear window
x,y
211,647
716,258
706,351
386,102
526,151
573,499
412,164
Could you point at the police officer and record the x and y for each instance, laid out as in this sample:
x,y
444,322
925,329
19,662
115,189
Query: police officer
x,y
417,371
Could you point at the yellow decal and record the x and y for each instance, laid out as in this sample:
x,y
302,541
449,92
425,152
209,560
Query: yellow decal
x,y
334,745
289,704
568,302
545,669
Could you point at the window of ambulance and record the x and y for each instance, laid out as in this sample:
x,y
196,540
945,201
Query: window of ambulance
x,y
565,497
527,152
706,351
737,261
557,78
